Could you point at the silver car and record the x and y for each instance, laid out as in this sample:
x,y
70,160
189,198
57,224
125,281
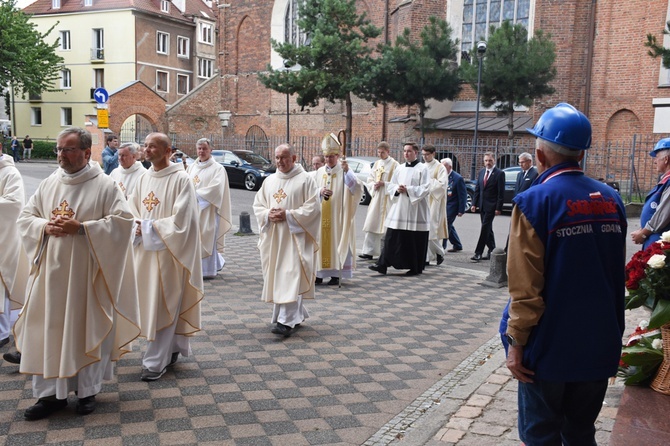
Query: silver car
x,y
362,166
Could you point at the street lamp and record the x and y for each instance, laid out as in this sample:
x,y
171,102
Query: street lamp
x,y
224,118
481,49
287,66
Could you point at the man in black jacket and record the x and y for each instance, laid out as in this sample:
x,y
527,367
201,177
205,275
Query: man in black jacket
x,y
527,175
488,200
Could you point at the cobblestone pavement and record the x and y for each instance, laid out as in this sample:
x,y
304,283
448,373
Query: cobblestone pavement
x,y
349,376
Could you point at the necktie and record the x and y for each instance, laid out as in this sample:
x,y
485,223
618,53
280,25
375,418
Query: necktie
x,y
486,177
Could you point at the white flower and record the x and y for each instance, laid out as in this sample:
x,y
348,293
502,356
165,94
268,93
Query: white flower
x,y
657,344
643,324
657,261
665,236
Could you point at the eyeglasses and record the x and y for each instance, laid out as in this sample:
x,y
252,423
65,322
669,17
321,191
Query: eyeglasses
x,y
65,149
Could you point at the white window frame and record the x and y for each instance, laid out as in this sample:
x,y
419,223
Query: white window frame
x,y
206,33
55,4
65,41
167,81
88,2
98,39
162,42
467,42
165,6
98,78
64,115
188,87
205,68
65,79
183,47
35,113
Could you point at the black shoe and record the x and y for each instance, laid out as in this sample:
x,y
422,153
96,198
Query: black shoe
x,y
318,281
365,256
455,250
334,281
43,408
412,273
440,259
487,256
173,359
380,269
427,264
86,405
282,329
148,375
4,342
476,257
13,357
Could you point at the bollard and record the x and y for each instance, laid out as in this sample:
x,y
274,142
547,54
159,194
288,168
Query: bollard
x,y
245,224
497,277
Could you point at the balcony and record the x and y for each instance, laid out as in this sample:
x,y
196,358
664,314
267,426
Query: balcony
x,y
34,97
97,55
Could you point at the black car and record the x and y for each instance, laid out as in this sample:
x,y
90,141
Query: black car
x,y
244,167
510,183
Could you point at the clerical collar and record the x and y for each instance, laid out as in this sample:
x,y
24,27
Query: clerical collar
x,y
413,163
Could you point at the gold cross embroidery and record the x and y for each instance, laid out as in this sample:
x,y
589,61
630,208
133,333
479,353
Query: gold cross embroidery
x,y
122,187
196,180
63,211
150,201
279,196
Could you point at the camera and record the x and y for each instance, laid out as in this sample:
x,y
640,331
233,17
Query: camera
x,y
481,47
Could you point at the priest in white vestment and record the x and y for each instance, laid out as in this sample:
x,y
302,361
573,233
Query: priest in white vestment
x,y
289,217
437,200
13,260
374,228
211,187
129,169
408,220
81,310
340,192
167,258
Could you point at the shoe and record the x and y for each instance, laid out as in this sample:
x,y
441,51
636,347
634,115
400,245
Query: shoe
x,y
454,250
86,405
487,256
334,281
148,375
173,359
427,264
411,273
4,342
440,259
380,269
43,408
476,257
12,357
282,329
318,281
365,256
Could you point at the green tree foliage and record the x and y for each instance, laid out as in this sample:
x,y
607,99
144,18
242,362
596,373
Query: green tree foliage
x,y
516,70
413,71
656,50
330,65
28,63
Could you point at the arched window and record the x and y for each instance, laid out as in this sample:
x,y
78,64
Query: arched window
x,y
292,33
479,15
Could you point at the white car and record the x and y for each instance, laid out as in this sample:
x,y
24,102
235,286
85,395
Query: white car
x,y
362,166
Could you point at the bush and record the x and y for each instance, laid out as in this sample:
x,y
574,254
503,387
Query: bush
x,y
44,149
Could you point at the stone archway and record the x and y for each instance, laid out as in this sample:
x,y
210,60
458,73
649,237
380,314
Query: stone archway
x,y
136,98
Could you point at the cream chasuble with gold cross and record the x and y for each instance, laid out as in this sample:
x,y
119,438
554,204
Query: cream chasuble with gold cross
x,y
126,178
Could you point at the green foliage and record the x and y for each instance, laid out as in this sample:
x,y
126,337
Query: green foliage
x,y
516,70
44,149
411,72
656,50
29,64
640,362
330,66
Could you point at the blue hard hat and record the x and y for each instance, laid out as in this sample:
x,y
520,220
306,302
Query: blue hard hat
x,y
663,144
564,125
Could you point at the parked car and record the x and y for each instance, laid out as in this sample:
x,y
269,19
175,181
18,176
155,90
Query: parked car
x,y
510,183
244,167
362,166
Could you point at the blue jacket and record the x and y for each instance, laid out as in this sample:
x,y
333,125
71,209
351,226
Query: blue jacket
x,y
110,160
457,196
649,209
581,224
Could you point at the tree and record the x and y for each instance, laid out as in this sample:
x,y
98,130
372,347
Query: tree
x,y
656,50
409,73
330,65
516,70
29,64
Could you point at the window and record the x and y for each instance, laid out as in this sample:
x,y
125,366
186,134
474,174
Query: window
x,y
183,46
162,81
98,78
55,4
205,68
205,33
182,84
65,116
293,34
98,44
65,41
165,6
479,15
35,115
88,2
65,78
162,43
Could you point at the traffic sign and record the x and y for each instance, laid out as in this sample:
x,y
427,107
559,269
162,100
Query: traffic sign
x,y
100,95
103,118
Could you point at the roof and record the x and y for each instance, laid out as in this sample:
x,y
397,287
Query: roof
x,y
486,123
192,7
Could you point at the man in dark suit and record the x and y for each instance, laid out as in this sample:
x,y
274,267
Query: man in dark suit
x,y
457,201
488,200
527,175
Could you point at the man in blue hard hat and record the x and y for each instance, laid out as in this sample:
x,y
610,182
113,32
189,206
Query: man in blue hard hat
x,y
566,281
655,216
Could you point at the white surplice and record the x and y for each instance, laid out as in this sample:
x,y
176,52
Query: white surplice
x,y
380,202
409,212
127,178
437,200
